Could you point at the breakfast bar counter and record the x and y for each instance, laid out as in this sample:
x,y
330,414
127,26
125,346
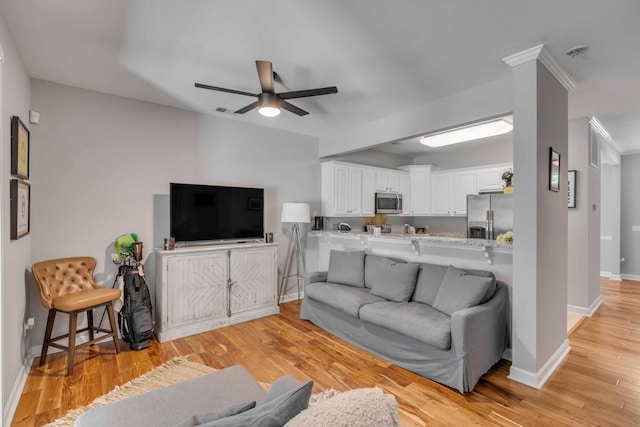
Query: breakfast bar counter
x,y
448,249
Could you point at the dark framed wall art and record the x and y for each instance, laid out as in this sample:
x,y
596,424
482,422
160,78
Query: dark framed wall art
x,y
571,188
554,170
20,209
19,148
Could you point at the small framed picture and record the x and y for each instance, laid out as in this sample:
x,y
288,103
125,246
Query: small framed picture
x,y
554,170
571,188
19,148
20,209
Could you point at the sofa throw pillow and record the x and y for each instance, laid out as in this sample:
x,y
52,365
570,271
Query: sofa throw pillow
x,y
371,265
429,280
395,281
346,268
460,290
363,407
274,413
200,419
483,273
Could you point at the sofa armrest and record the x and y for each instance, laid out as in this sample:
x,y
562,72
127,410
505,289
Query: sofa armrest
x,y
482,331
316,276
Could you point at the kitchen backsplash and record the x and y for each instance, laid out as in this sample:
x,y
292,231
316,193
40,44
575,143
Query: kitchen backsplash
x,y
454,227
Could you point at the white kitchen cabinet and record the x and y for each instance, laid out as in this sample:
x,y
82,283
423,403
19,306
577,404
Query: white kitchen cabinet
x,y
387,181
405,189
341,190
368,192
490,179
206,287
449,192
463,183
420,189
441,189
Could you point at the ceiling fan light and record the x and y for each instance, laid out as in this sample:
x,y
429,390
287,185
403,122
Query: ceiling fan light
x,y
468,133
269,111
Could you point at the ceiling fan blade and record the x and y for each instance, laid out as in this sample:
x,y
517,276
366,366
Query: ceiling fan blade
x,y
308,92
265,74
221,89
247,108
293,108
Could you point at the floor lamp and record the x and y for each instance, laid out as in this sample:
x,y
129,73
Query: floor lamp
x,y
296,213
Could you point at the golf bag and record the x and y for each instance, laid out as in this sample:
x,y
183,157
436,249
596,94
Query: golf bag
x,y
135,318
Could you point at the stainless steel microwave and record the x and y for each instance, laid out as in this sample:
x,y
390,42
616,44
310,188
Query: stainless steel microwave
x,y
388,203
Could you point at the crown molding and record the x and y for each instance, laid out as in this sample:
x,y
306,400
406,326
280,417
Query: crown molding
x,y
598,127
541,53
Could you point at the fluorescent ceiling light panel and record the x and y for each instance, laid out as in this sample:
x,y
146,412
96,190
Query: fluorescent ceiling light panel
x,y
479,131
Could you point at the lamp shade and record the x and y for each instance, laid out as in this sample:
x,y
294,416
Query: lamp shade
x,y
296,212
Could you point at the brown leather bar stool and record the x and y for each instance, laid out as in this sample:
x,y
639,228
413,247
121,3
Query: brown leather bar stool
x,y
67,286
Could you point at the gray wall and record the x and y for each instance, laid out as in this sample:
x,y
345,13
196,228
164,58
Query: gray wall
x,y
16,255
610,220
103,164
583,284
373,158
630,216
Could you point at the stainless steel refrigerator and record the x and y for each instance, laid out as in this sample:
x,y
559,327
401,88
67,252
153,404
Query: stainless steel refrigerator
x,y
489,215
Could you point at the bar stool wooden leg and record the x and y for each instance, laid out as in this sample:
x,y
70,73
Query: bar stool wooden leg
x,y
114,328
90,324
47,335
73,318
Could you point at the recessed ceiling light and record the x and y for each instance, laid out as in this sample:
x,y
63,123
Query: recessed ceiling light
x,y
467,133
578,50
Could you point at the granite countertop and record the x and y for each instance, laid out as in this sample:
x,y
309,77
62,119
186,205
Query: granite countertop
x,y
445,238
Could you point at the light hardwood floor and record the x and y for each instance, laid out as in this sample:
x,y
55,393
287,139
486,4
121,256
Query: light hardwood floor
x,y
598,383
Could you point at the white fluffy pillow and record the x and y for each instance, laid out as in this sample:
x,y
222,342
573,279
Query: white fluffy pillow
x,y
362,407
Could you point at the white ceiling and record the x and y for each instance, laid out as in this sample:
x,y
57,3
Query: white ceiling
x,y
384,56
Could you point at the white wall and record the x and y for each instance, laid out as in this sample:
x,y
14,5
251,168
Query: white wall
x,y
494,150
16,255
630,216
102,166
610,206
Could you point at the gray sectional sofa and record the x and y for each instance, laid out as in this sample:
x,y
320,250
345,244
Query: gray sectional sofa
x,y
444,323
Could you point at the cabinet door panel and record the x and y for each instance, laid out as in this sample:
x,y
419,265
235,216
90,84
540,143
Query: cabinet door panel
x,y
341,192
196,287
464,183
252,276
441,194
368,192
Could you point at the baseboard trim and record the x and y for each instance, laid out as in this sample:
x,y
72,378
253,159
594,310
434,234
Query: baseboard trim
x,y
292,297
538,379
507,354
634,277
616,277
12,402
609,275
585,311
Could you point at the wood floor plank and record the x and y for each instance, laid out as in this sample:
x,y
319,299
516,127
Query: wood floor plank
x,y
597,385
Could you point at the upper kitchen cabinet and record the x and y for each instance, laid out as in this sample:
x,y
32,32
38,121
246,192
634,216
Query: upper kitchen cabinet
x,y
341,190
449,192
368,192
419,202
490,179
387,181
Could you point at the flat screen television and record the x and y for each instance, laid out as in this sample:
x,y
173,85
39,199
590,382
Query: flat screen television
x,y
214,213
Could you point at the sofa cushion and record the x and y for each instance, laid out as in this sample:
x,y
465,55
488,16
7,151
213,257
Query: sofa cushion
x,y
429,281
460,290
344,298
346,268
483,273
273,413
371,265
413,319
395,281
197,420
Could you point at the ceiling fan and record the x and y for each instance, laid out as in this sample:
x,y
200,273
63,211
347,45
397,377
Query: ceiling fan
x,y
269,103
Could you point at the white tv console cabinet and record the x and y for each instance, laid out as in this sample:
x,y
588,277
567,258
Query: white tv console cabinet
x,y
201,288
